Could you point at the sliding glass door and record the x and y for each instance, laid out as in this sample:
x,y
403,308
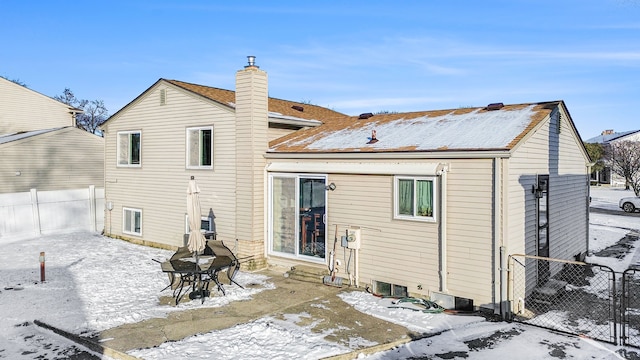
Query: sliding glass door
x,y
297,215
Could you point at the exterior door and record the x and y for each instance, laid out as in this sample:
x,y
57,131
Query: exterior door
x,y
542,203
297,215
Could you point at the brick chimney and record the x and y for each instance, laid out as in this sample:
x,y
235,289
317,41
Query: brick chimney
x,y
252,124
607,132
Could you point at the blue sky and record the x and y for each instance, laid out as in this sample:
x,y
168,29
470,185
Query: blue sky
x,y
350,56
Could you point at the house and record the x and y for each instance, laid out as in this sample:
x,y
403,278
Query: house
x,y
51,159
40,147
424,203
607,137
23,109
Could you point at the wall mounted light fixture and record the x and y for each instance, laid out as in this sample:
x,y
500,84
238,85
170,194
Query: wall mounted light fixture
x,y
331,187
18,173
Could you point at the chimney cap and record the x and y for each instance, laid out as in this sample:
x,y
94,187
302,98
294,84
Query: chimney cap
x,y
252,61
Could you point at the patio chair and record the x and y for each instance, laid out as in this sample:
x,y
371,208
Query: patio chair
x,y
224,259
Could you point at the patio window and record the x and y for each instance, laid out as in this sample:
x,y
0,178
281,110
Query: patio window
x,y
200,147
206,224
132,221
129,148
414,198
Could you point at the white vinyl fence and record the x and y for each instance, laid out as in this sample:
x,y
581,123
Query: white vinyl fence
x,y
48,212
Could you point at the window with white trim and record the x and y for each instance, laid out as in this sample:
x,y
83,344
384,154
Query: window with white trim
x,y
206,224
414,198
129,149
200,147
132,221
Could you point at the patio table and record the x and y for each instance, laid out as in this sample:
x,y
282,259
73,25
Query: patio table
x,y
189,274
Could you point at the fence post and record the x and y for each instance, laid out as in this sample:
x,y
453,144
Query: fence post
x,y
36,212
92,207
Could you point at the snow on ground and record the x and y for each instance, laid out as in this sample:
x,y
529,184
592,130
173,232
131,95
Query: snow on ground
x,y
95,283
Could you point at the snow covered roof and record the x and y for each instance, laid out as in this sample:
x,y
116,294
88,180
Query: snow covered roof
x,y
465,129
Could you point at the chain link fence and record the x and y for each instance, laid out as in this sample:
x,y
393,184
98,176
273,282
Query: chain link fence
x,y
567,296
631,307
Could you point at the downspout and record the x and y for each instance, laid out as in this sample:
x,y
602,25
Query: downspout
x,y
588,200
498,236
442,228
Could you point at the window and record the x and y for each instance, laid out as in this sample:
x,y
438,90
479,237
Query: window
x,y
132,221
200,147
387,289
129,148
206,224
297,216
414,198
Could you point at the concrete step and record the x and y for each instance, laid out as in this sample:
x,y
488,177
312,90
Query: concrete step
x,y
307,273
551,290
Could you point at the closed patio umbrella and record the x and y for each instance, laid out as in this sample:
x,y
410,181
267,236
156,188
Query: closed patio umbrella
x,y
196,241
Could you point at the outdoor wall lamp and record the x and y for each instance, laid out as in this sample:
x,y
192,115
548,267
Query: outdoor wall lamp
x,y
18,173
331,187
537,191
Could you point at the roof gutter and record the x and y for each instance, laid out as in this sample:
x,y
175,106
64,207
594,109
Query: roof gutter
x,y
393,155
293,121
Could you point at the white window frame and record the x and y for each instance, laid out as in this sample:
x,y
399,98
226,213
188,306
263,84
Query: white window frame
x,y
118,150
188,149
187,228
414,217
297,254
132,212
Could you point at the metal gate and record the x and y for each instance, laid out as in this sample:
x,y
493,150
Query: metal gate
x,y
578,298
630,318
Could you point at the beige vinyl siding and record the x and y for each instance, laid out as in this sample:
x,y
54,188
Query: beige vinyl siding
x,y
159,186
570,202
63,159
25,110
469,224
565,164
274,133
401,252
405,252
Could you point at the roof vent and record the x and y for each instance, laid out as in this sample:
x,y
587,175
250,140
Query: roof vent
x,y
365,115
297,107
495,106
373,139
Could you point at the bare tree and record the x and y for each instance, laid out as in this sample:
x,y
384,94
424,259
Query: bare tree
x,y
624,157
17,81
67,97
95,113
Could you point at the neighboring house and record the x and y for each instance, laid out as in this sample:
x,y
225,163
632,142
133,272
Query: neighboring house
x,y
40,147
606,176
425,203
51,159
22,109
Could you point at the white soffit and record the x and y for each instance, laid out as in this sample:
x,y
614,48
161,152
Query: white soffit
x,y
386,168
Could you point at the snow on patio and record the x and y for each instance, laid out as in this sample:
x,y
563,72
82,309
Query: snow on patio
x,y
95,283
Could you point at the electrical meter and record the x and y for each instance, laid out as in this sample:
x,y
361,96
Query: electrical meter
x,y
353,238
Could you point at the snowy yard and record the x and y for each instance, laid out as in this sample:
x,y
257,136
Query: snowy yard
x,y
96,283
